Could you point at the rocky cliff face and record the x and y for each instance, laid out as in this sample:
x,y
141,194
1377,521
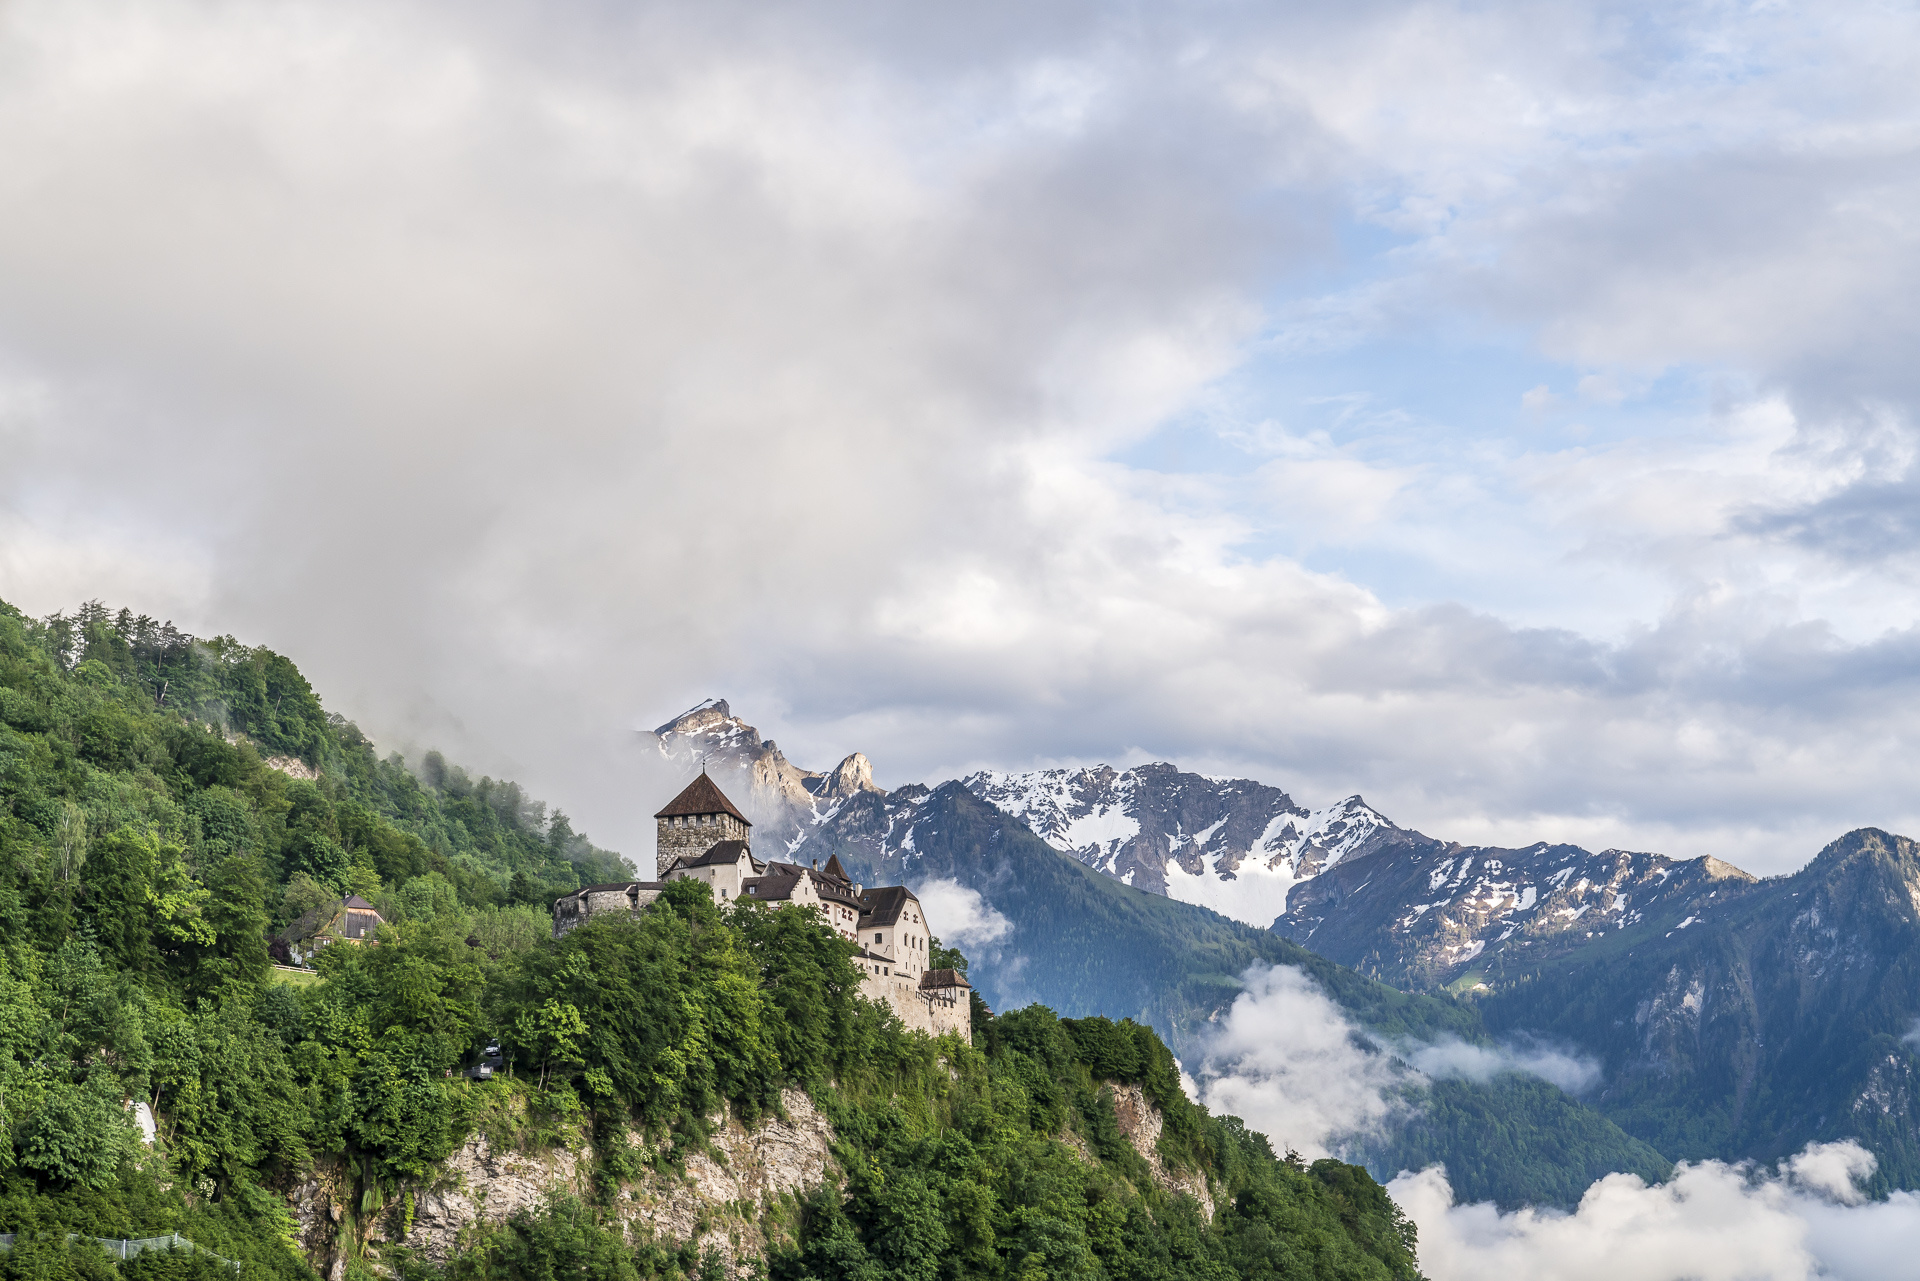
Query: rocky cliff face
x,y
1141,1124
716,1204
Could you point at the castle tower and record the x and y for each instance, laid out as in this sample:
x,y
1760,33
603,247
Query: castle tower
x,y
694,822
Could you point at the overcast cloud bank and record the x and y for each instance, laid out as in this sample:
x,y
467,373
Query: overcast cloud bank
x,y
1505,412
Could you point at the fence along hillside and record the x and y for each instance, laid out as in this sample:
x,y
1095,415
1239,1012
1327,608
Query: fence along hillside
x,y
124,1248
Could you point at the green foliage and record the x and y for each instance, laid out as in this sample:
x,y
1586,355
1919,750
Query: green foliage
x,y
147,848
1515,1140
958,1166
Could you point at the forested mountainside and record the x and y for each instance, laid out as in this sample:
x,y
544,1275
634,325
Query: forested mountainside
x,y
1773,1013
1077,939
148,845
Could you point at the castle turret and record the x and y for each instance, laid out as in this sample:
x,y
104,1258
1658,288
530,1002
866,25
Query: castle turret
x,y
694,822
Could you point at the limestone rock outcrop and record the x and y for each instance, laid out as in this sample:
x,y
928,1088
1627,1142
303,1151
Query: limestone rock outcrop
x,y
716,1203
1141,1123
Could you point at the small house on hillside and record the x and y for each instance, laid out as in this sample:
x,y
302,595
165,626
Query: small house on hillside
x,y
351,920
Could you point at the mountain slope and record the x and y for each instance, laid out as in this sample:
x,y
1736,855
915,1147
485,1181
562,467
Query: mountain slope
x,y
1077,940
1424,914
1785,1012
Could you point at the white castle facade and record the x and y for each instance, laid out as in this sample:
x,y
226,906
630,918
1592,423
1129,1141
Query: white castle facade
x,y
704,837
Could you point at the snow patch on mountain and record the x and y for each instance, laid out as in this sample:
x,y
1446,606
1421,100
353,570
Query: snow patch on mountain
x,y
1234,845
1255,895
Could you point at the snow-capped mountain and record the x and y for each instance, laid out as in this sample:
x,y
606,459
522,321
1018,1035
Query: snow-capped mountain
x,y
1422,913
1234,845
1343,880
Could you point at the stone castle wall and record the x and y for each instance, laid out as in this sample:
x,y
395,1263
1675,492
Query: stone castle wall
x,y
573,910
693,840
934,1012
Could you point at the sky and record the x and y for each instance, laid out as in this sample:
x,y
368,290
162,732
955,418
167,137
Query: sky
x,y
1505,412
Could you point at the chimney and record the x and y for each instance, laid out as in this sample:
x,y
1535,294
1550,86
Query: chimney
x,y
816,865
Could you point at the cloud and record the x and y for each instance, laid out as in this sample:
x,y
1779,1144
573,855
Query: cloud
x,y
1286,1061
529,372
1710,1222
1451,1057
963,918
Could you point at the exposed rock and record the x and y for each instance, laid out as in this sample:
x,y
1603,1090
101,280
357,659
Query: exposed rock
x,y
317,1206
783,800
760,1165
1435,913
1140,1123
713,1202
855,774
292,767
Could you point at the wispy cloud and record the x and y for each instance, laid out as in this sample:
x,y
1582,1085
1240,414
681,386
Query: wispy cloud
x,y
1288,1061
1572,1071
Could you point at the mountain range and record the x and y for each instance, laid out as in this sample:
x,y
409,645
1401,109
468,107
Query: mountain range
x,y
1730,1016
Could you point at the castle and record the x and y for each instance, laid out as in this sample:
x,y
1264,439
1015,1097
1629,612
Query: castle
x,y
704,837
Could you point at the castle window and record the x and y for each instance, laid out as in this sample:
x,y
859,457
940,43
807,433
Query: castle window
x,y
877,937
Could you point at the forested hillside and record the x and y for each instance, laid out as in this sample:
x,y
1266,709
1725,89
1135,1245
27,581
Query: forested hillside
x,y
148,848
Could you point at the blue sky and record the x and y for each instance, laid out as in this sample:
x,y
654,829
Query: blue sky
x,y
1503,411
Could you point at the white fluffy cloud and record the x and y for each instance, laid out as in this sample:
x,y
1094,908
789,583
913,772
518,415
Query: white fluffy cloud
x,y
1710,1222
964,918
1002,385
1286,1060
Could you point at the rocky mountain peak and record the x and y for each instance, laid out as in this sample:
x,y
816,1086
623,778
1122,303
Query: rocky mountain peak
x,y
703,718
784,801
850,777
